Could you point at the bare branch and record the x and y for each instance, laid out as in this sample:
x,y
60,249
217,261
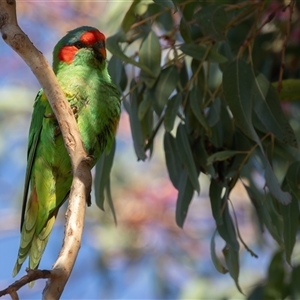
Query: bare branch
x,y
81,185
32,275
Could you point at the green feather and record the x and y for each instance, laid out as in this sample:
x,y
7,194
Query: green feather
x,y
96,102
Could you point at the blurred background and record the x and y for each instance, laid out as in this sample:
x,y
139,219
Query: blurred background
x,y
146,256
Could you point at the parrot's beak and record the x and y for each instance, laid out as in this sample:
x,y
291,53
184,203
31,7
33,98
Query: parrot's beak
x,y
99,48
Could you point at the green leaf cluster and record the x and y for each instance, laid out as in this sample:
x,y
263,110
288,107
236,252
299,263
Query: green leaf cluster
x,y
194,72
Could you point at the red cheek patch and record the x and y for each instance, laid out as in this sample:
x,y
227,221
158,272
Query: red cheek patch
x,y
67,53
91,37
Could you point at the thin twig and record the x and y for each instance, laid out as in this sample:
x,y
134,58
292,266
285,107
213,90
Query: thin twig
x,y
31,276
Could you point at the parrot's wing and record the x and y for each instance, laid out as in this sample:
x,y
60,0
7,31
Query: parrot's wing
x,y
33,140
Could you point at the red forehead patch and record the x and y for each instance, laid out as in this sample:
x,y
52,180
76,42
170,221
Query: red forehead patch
x,y
91,37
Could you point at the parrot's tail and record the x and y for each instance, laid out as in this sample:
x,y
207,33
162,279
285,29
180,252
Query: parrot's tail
x,y
32,243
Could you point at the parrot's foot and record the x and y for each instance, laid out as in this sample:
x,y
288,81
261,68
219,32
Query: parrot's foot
x,y
50,116
57,131
75,111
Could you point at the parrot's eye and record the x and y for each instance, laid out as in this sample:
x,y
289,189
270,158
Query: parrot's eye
x,y
79,44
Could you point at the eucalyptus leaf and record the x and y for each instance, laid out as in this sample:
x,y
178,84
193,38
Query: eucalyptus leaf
x,y
226,229
212,20
294,286
215,259
145,105
215,196
185,31
233,265
135,125
102,179
172,159
273,184
222,155
198,52
165,85
195,99
268,110
172,111
185,153
150,56
290,212
185,195
130,16
276,277
117,72
237,86
213,115
112,44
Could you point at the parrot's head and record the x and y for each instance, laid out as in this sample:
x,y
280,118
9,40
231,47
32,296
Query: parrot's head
x,y
83,45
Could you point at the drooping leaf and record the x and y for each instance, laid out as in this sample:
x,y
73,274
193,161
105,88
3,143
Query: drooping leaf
x,y
117,72
163,17
294,285
222,155
135,125
102,179
185,195
112,44
195,99
265,212
150,56
275,219
198,52
226,229
215,259
188,10
269,112
147,127
185,30
290,212
200,157
213,115
171,111
183,75
165,85
273,184
215,196
130,16
110,201
212,20
237,86
276,276
185,153
233,265
145,105
200,78
172,159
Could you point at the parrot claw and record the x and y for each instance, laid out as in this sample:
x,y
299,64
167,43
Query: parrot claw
x,y
50,116
57,131
75,111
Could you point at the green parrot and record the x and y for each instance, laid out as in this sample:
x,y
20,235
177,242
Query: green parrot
x,y
79,62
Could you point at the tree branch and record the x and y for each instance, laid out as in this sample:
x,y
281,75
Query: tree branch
x,y
81,185
32,275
